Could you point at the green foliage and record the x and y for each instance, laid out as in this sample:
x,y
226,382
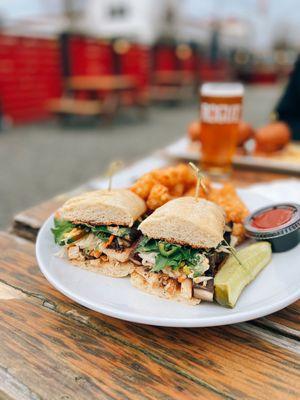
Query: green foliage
x,y
101,232
104,231
173,255
61,228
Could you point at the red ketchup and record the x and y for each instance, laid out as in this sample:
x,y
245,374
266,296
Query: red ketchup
x,y
272,218
279,224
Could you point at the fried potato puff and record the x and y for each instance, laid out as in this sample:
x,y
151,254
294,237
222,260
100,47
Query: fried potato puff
x,y
238,230
228,198
162,185
167,183
158,196
142,187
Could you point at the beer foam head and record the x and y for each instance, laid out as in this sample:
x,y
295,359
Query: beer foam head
x,y
216,89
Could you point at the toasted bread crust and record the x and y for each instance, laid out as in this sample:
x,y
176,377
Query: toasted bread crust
x,y
188,222
104,207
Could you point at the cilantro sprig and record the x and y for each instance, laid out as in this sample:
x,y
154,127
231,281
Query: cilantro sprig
x,y
61,228
172,255
106,231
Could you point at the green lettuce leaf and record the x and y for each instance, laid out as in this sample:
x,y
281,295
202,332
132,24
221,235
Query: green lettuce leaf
x,y
173,255
61,227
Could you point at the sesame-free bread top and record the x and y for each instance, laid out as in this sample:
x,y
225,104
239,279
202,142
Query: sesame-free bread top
x,y
186,221
104,207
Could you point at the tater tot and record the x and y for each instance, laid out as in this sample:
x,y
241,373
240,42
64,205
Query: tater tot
x,y
191,192
228,198
167,177
158,196
162,185
238,230
186,175
143,186
177,190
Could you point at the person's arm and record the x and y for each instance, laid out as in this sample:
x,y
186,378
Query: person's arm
x,y
288,107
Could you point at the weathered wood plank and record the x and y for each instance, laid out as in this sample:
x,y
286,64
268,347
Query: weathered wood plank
x,y
12,388
50,356
241,361
286,321
27,223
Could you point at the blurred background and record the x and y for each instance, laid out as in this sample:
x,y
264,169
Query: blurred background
x,y
83,82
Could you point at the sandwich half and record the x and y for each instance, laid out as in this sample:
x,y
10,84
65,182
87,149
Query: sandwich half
x,y
98,230
181,249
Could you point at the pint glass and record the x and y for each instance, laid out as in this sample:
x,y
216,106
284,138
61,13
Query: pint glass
x,y
220,114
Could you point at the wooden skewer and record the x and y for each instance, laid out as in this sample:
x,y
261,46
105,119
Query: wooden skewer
x,y
234,253
114,167
199,176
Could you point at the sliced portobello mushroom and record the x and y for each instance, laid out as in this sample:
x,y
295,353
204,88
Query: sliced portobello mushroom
x,y
205,293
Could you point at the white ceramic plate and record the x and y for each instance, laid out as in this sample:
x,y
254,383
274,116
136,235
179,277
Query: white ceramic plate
x,y
277,286
185,150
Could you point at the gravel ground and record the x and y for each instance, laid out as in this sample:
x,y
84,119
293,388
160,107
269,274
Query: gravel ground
x,y
39,161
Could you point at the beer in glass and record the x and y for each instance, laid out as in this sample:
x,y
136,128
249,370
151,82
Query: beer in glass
x,y
220,114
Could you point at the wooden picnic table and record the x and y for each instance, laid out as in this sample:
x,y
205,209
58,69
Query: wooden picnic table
x,y
110,91
102,95
172,86
174,78
102,83
53,348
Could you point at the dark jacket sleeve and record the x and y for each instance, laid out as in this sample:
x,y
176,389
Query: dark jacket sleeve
x,y
288,108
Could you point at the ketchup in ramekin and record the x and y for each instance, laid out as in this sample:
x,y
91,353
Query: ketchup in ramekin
x,y
278,224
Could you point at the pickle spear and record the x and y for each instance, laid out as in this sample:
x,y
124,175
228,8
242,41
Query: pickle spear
x,y
233,277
